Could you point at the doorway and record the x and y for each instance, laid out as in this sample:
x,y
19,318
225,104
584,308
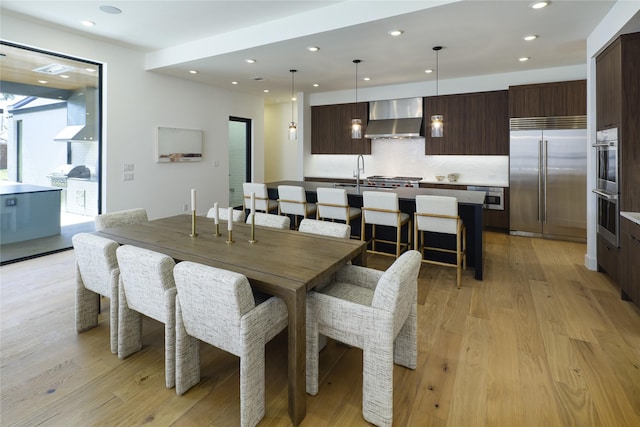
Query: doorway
x,y
239,158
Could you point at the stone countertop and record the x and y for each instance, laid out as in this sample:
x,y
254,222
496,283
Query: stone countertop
x,y
464,182
432,180
407,193
18,188
631,216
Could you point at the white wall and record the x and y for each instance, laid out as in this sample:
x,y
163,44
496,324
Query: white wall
x,y
40,154
136,102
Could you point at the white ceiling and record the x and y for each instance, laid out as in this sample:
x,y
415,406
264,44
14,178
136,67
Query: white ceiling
x,y
215,37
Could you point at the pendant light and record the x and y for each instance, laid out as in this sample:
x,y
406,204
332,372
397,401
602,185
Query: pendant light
x,y
436,119
356,124
293,130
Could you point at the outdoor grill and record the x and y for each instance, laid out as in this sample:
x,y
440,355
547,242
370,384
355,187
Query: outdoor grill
x,y
60,175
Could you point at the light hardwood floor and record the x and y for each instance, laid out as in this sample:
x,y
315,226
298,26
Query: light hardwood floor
x,y
541,341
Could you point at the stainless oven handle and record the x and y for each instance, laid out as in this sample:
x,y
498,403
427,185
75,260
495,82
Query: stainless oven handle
x,y
603,144
605,195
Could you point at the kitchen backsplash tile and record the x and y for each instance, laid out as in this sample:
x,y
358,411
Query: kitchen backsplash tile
x,y
406,157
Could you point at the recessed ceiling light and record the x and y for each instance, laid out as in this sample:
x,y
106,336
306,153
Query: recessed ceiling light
x,y
313,48
539,4
234,83
266,91
396,33
64,76
88,23
428,71
530,37
91,70
294,98
250,61
523,59
110,9
316,84
44,82
366,79
193,71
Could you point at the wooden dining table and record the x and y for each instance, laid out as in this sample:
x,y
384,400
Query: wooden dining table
x,y
284,263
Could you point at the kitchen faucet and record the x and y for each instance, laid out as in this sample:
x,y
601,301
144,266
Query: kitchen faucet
x,y
359,169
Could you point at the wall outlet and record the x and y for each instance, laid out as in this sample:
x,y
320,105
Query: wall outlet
x,y
185,208
216,164
11,202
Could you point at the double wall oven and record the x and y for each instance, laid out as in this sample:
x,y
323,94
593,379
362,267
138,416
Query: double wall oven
x,y
607,165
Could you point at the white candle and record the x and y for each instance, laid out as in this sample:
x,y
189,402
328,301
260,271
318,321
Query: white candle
x,y
253,202
230,219
193,199
215,213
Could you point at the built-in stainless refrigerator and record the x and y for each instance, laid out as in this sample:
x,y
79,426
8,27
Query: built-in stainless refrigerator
x,y
547,178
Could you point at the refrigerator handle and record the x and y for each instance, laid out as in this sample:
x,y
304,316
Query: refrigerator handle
x,y
540,183
544,178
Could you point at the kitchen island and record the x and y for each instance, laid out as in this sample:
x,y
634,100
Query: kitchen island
x,y
470,208
28,212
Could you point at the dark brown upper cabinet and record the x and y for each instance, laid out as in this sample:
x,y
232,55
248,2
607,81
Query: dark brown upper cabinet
x,y
474,123
549,99
331,129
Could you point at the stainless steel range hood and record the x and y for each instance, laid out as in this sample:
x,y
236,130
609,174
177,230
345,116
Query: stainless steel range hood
x,y
397,118
82,117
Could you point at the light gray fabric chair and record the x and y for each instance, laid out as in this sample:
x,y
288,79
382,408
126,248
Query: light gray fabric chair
x,y
439,214
377,312
146,288
263,203
324,228
272,221
230,320
97,274
333,204
120,218
238,215
292,200
382,208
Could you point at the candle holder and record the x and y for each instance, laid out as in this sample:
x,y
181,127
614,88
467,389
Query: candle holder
x,y
252,239
193,224
217,232
230,237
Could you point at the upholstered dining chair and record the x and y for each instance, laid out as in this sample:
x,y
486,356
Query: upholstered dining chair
x,y
382,208
270,220
325,228
263,203
120,218
333,204
97,273
375,311
439,214
230,320
146,288
238,215
292,200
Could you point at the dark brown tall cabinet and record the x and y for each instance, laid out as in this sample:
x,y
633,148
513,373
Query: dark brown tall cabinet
x,y
331,129
618,105
474,123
